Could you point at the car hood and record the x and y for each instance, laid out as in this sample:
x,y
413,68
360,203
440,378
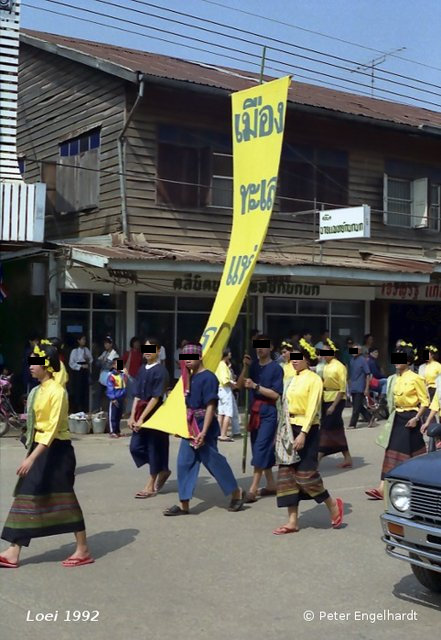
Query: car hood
x,y
425,470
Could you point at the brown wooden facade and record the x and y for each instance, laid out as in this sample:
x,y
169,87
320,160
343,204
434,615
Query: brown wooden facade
x,y
60,99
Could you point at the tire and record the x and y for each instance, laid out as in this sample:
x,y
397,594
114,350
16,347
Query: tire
x,y
429,579
4,428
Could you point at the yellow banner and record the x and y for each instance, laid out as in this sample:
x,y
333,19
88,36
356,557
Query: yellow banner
x,y
258,125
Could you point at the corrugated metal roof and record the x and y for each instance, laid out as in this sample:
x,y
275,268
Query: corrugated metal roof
x,y
166,67
393,264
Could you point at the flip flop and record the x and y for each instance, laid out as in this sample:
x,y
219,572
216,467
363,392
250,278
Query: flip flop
x,y
175,511
267,492
374,494
7,564
142,495
338,521
236,504
250,498
77,562
227,439
345,465
281,531
161,482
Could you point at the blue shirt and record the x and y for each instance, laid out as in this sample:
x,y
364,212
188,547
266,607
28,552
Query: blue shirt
x,y
151,383
204,388
358,370
268,375
374,368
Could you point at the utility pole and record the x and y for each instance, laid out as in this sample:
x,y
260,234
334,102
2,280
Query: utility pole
x,y
372,64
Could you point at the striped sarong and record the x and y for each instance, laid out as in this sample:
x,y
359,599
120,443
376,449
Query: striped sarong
x,y
45,503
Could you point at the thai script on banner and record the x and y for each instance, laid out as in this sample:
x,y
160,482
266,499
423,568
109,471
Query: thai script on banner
x,y
258,125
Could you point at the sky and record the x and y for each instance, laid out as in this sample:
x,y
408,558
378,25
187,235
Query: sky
x,y
370,27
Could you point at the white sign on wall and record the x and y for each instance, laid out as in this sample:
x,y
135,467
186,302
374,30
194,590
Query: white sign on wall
x,y
341,224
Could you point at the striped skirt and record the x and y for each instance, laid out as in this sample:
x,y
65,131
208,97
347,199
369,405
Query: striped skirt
x,y
332,431
302,481
45,503
404,442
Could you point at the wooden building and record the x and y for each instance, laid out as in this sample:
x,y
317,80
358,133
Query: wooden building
x,y
135,150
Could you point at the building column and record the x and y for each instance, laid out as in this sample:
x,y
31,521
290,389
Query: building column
x,y
130,315
53,310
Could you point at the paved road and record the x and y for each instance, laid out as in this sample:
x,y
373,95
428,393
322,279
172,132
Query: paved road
x,y
213,575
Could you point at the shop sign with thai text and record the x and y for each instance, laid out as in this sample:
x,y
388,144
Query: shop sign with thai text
x,y
341,224
423,292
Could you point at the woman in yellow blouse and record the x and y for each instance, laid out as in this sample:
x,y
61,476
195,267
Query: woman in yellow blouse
x,y
288,370
332,431
44,499
432,370
302,479
411,401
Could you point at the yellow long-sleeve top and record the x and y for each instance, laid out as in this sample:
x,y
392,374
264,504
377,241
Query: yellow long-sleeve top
x,y
410,392
61,376
335,377
434,405
223,373
51,409
431,372
304,398
288,370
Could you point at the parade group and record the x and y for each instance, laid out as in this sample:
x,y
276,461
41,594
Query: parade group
x,y
296,397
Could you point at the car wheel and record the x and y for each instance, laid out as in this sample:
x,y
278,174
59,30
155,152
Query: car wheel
x,y
429,579
4,428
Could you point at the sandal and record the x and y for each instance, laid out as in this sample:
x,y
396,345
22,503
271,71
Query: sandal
x,y
281,531
338,521
250,497
345,465
7,563
145,494
162,480
77,562
175,511
236,504
226,439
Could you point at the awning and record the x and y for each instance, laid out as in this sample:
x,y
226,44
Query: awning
x,y
374,268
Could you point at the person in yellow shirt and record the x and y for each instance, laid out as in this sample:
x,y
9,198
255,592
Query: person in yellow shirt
x,y
45,503
432,370
225,407
302,480
435,410
286,364
332,431
410,400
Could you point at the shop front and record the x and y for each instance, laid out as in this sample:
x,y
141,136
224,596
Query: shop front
x,y
177,306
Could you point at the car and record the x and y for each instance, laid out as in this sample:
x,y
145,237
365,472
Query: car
x,y
412,519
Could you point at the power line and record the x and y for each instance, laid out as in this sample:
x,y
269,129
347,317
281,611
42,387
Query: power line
x,y
266,39
317,33
224,47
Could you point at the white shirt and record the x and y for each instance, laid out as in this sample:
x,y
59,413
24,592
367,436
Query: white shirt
x,y
106,359
80,354
162,355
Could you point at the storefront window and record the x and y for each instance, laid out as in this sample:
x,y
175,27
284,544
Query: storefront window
x,y
75,300
195,304
155,303
106,300
313,307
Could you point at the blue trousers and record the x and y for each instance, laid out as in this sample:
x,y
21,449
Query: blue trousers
x,y
189,462
115,415
263,438
149,446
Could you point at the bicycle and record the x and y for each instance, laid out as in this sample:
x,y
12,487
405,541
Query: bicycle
x,y
9,418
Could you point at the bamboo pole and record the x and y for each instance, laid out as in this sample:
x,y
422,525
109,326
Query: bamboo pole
x,y
247,318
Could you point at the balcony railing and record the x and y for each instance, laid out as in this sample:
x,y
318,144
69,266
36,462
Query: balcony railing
x,y
22,208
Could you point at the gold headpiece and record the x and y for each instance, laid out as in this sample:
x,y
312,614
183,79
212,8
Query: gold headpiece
x,y
309,348
331,344
286,344
431,348
41,353
403,343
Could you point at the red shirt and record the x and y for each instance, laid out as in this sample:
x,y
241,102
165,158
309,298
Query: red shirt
x,y
135,361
